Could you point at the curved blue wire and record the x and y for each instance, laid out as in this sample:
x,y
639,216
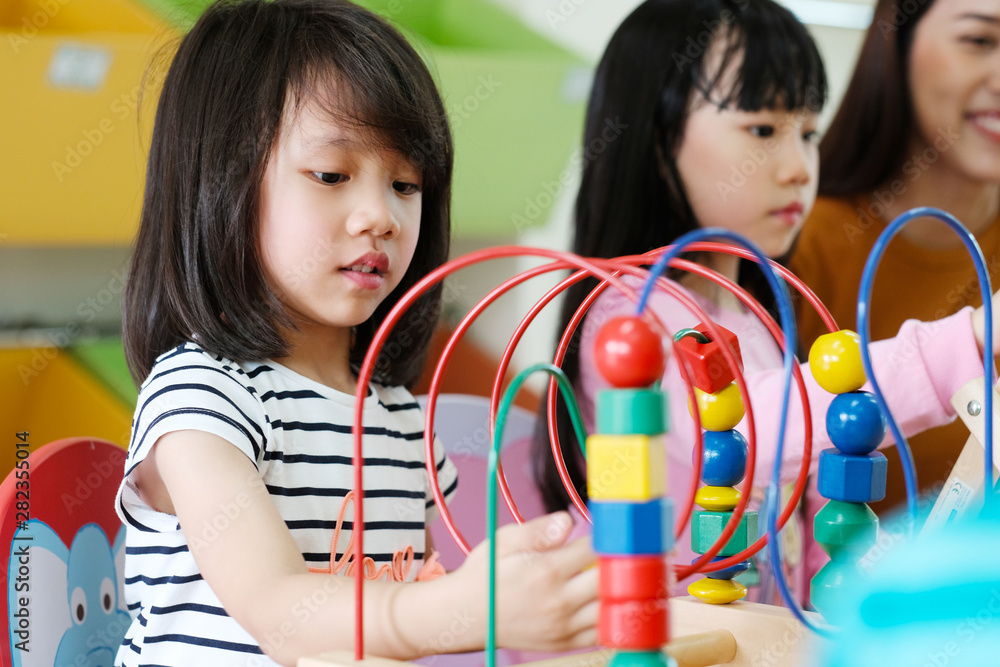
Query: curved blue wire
x,y
864,332
787,319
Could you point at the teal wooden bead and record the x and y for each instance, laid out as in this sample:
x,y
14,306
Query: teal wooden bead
x,y
707,526
641,659
846,531
852,479
829,585
632,411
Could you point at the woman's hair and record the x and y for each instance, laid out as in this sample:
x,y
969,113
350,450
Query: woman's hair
x,y
866,142
631,197
196,271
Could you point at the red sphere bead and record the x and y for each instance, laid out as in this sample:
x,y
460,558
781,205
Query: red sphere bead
x,y
629,353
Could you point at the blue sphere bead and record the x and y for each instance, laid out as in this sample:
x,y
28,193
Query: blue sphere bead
x,y
855,423
724,462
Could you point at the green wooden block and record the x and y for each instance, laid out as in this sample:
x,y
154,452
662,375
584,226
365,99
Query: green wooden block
x,y
707,526
641,659
846,531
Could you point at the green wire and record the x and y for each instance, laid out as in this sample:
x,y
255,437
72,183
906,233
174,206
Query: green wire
x,y
693,333
491,479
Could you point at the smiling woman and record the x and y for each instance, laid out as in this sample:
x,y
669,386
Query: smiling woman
x,y
918,126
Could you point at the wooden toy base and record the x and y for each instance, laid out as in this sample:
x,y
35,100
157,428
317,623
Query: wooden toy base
x,y
754,634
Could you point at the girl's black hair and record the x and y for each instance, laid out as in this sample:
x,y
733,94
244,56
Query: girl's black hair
x,y
631,197
196,271
866,143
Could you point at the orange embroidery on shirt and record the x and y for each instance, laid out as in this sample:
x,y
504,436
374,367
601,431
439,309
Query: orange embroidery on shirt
x,y
396,570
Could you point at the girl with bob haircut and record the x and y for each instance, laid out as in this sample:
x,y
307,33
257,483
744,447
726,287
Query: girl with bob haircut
x,y
723,136
916,127
298,183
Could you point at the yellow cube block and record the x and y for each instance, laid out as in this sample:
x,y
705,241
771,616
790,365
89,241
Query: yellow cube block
x,y
626,467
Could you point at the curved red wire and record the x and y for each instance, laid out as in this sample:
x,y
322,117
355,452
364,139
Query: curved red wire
x,y
596,268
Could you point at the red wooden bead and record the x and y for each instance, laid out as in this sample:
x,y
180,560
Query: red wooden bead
x,y
710,371
624,578
633,625
629,353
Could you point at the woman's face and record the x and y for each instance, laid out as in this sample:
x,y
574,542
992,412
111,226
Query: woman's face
x,y
954,78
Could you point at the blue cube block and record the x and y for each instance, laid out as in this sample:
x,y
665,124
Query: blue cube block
x,y
852,479
638,529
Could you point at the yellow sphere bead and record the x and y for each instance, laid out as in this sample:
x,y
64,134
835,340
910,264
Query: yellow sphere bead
x,y
717,498
717,591
835,361
720,411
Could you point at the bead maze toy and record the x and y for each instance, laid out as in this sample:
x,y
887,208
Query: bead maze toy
x,y
631,516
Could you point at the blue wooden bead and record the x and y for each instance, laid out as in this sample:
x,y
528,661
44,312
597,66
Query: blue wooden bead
x,y
724,460
852,479
624,528
728,573
855,423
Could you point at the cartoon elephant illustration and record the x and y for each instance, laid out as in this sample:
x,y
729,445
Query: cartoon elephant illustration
x,y
69,598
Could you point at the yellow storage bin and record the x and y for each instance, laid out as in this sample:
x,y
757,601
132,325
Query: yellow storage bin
x,y
45,392
74,150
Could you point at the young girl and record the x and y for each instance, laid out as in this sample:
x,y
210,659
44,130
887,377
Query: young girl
x,y
298,184
720,101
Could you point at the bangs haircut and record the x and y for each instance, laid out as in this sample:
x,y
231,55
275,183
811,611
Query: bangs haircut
x,y
782,71
196,271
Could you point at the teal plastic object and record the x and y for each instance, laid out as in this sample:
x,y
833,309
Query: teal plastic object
x,y
934,601
641,659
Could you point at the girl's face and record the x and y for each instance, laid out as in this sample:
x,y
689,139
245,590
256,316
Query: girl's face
x,y
754,173
954,79
339,221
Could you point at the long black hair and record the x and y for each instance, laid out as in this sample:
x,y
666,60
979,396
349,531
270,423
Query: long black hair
x,y
196,272
866,143
631,197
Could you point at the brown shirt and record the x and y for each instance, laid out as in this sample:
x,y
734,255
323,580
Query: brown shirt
x,y
912,282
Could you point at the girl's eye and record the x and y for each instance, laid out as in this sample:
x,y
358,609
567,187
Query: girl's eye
x,y
328,178
762,131
812,136
404,188
983,41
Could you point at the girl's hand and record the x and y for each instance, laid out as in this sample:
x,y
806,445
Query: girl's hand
x,y
979,325
546,589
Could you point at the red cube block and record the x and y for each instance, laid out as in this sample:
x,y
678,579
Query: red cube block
x,y
710,371
641,624
623,578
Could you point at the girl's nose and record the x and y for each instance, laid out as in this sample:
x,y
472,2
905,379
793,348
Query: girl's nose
x,y
797,156
373,215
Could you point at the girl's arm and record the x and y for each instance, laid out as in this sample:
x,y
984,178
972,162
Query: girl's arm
x,y
547,601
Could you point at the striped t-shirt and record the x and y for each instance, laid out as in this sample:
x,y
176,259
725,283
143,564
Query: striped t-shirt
x,y
297,432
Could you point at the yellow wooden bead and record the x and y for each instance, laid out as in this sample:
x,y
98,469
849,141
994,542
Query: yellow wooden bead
x,y
717,591
835,362
626,467
720,411
717,498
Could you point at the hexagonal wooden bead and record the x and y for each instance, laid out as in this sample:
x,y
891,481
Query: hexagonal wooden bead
x,y
632,412
639,529
710,371
633,625
626,467
852,479
632,578
720,411
707,526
